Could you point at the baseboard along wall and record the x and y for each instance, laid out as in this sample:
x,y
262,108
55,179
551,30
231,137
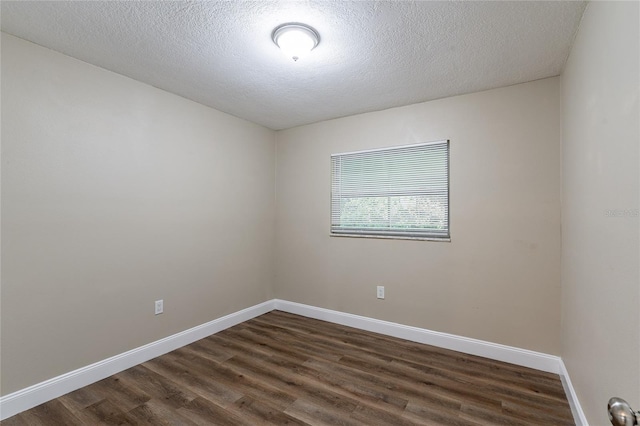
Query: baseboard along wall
x,y
574,403
40,393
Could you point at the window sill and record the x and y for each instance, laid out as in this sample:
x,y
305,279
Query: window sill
x,y
392,237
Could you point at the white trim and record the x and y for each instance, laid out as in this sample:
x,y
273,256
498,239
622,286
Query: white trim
x,y
574,403
390,237
510,354
37,394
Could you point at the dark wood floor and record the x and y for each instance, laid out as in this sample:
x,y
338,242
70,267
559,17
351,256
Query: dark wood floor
x,y
285,369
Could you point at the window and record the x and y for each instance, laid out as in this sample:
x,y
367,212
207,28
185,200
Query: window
x,y
393,192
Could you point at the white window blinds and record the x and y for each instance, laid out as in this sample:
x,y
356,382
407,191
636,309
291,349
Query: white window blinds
x,y
401,192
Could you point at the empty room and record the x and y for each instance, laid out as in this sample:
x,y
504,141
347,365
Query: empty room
x,y
320,212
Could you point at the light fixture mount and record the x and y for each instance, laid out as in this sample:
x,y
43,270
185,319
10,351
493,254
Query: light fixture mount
x,y
295,39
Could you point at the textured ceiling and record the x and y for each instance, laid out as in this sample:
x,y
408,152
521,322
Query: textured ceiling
x,y
372,55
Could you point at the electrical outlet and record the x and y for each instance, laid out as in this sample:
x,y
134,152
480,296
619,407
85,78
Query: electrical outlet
x,y
159,307
380,292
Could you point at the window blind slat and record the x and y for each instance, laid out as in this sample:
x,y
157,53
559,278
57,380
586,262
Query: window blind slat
x,y
395,192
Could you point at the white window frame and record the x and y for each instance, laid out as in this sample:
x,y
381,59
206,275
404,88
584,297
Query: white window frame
x,y
337,230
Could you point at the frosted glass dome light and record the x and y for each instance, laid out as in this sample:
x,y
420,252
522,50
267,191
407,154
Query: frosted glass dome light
x,y
295,40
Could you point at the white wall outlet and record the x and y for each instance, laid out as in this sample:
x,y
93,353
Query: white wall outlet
x,y
159,307
380,292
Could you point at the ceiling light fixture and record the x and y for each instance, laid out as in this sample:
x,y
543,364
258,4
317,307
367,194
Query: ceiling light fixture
x,y
295,39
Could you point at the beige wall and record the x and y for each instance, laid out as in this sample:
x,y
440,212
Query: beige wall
x,y
600,253
115,194
499,277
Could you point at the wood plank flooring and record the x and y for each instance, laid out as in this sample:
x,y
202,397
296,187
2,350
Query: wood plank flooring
x,y
284,369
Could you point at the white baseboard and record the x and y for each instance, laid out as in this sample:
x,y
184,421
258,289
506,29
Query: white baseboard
x,y
523,357
574,403
37,394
